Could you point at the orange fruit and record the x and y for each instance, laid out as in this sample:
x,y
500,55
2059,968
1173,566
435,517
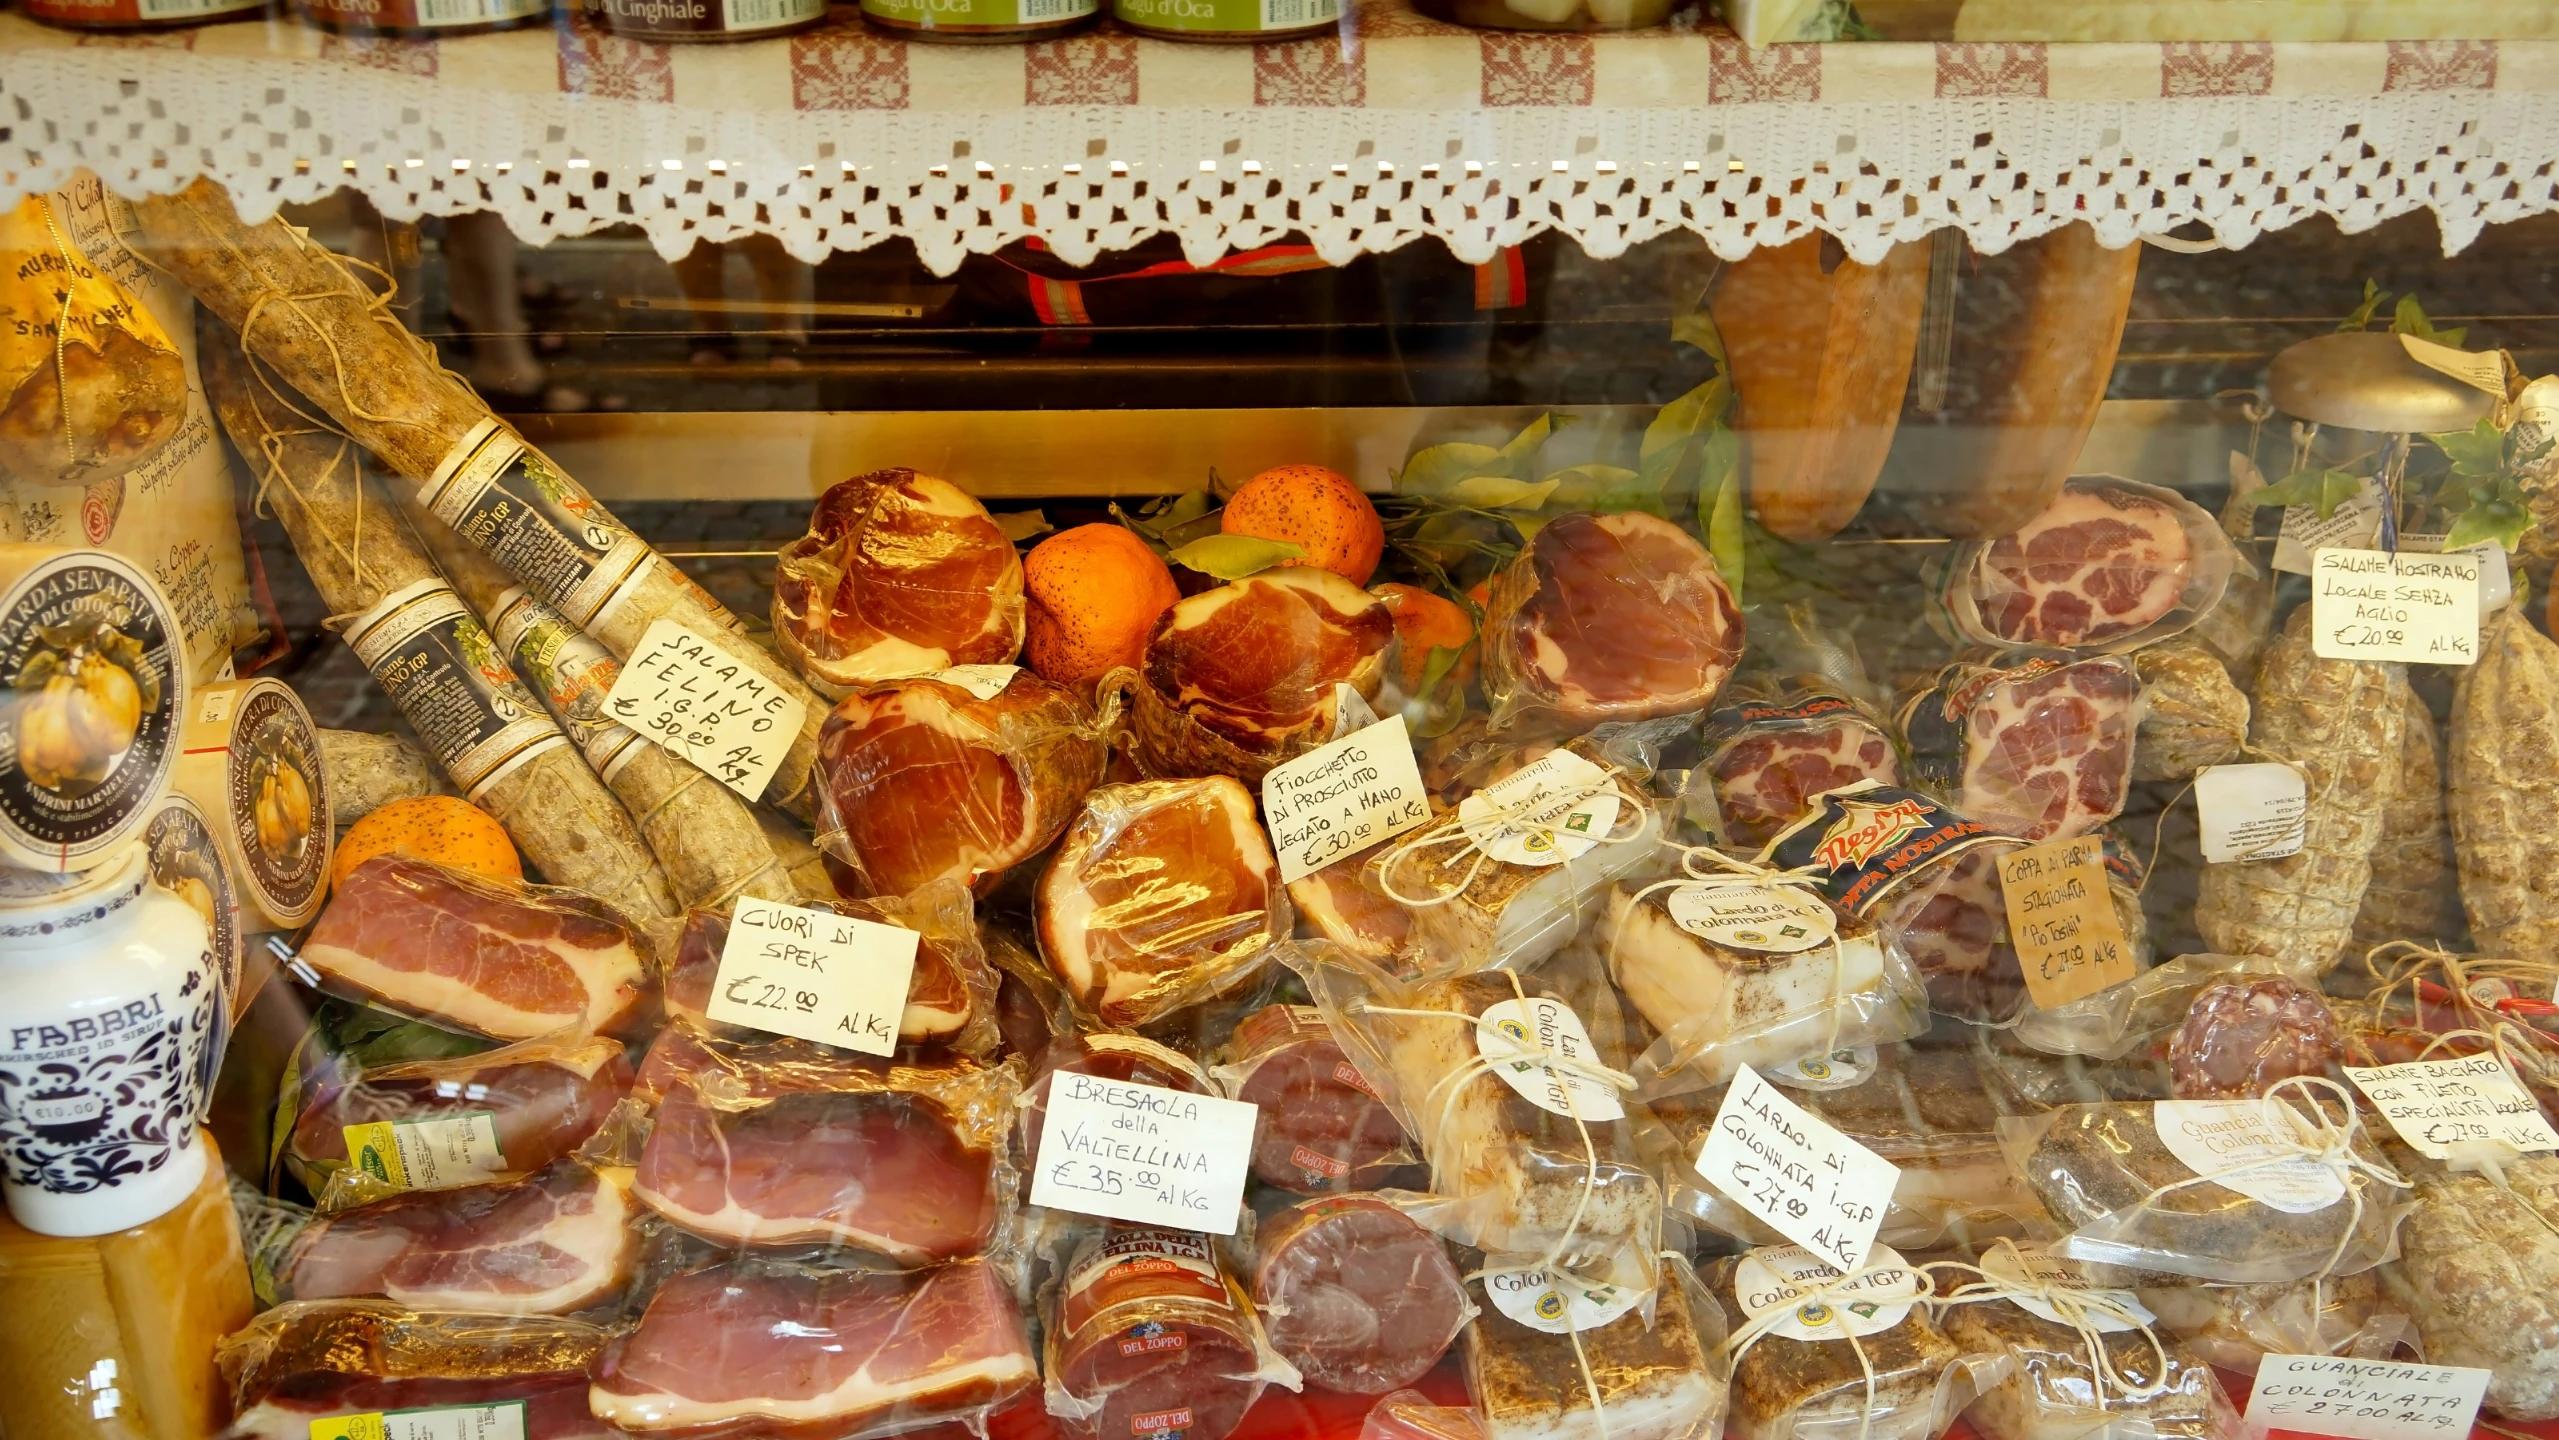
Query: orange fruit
x,y
441,828
1311,506
1093,592
1425,622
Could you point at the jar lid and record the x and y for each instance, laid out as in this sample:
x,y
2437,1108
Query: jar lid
x,y
40,902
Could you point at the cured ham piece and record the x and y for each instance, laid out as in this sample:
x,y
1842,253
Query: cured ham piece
x,y
1356,1295
897,1160
542,1096
1337,903
312,1360
2100,561
921,780
1322,1125
543,1246
1608,617
1163,894
1769,758
899,574
838,1353
950,995
2036,747
508,962
1147,1336
1239,678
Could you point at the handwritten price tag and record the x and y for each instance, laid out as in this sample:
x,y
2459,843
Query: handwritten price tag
x,y
1143,1153
2062,920
1790,1168
2437,1104
2371,605
815,975
1339,799
2365,1399
691,695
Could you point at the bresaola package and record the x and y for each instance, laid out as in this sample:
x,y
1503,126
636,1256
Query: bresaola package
x,y
1355,1294
1323,1125
1147,1336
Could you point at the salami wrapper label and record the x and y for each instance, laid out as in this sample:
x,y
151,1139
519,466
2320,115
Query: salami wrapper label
x,y
443,1153
1161,1262
1555,810
983,681
2365,1399
2436,1105
691,695
2029,1265
449,677
2234,1143
573,673
1782,1278
1772,919
2251,812
2356,522
1796,1171
814,974
1142,1153
1512,1035
2411,608
1339,799
1869,839
509,499
501,1421
2061,917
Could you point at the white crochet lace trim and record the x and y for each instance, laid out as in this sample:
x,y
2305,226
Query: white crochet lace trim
x,y
1609,145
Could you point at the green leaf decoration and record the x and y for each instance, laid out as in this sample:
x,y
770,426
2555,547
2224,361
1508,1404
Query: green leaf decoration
x,y
1685,417
2503,521
1499,492
1434,468
1021,525
1725,533
1519,456
2410,319
1526,522
2323,489
1232,557
2361,319
1606,489
1698,328
1435,667
2479,450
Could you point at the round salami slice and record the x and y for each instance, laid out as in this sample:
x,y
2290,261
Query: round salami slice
x,y
1356,1295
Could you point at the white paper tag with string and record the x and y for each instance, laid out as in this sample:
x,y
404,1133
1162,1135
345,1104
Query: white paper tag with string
x,y
2031,1267
2437,1104
1784,1277
1794,1170
1544,814
1340,798
1558,1304
2237,1145
2356,522
1773,919
1511,1035
2251,812
2365,1399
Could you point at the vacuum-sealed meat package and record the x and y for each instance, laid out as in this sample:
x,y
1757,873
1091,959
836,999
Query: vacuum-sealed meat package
x,y
1322,1125
307,1362
1607,617
2143,1013
788,1146
1772,751
767,1347
501,1114
2036,743
2247,1191
1822,1356
2246,1035
549,1244
1518,1111
2234,1327
1163,894
950,994
1355,1294
2083,1363
1730,971
2107,566
1241,677
1568,1362
2478,1271
1147,1336
899,574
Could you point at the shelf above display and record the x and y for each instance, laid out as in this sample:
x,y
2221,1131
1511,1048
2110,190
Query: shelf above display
x,y
842,137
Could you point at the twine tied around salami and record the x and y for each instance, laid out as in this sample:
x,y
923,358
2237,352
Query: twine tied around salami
x,y
1832,1301
1539,821
2046,1293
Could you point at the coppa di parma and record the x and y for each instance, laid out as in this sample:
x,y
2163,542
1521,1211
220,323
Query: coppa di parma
x,y
1867,841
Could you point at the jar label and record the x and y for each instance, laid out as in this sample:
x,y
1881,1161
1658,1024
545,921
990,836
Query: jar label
x,y
186,861
704,17
103,1096
979,14
443,1153
278,799
91,699
449,678
1230,17
135,12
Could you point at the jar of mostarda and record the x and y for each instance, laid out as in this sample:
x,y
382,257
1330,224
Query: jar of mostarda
x,y
139,14
697,20
423,19
1233,21
986,21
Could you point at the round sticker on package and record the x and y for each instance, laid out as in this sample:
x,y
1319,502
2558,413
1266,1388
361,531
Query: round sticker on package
x,y
2030,1266
1780,1277
1835,1070
1512,1036
1557,1304
2236,1145
1774,919
1545,814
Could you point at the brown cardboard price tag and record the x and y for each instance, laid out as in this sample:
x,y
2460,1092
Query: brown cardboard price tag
x,y
2062,920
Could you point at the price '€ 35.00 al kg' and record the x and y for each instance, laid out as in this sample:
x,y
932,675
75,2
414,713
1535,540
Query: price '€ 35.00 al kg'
x,y
1142,1153
815,975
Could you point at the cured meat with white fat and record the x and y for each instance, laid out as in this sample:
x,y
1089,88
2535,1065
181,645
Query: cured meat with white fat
x,y
1238,678
900,1160
556,1242
950,994
1322,1125
1147,1336
307,1361
2413,895
1338,903
899,574
2336,721
2504,782
1162,894
543,1097
2039,746
2102,561
748,1348
1769,757
508,962
2193,714
1607,617
1355,1294
920,780
1636,1377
